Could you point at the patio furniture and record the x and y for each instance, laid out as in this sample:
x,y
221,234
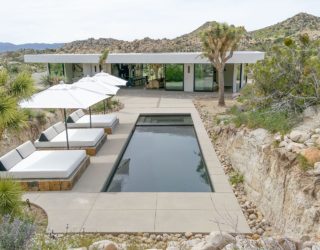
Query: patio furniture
x,y
79,119
50,170
54,137
63,96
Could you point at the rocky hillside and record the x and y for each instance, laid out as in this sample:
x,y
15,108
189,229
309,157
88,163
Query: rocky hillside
x,y
260,39
292,27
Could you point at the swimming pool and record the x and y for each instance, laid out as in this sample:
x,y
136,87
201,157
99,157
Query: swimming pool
x,y
162,155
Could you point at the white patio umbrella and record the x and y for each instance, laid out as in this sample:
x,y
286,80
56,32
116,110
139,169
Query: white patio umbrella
x,y
96,85
110,79
63,96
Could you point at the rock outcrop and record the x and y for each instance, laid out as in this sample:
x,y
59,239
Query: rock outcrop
x,y
273,180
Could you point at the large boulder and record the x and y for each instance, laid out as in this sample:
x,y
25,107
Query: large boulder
x,y
312,155
242,243
190,243
104,245
316,247
295,147
219,240
299,136
204,246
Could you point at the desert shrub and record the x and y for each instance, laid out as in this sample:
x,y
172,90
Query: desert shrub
x,y
40,116
10,197
50,80
16,233
287,79
303,163
110,104
285,84
273,121
236,178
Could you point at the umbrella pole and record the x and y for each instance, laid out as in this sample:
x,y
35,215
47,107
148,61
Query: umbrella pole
x,y
66,125
90,117
104,106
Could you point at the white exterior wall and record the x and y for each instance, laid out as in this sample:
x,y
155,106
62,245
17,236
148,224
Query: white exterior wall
x,y
108,68
229,75
94,69
188,77
234,83
87,69
68,72
242,76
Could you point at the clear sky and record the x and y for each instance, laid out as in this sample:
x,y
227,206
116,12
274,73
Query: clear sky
x,y
23,21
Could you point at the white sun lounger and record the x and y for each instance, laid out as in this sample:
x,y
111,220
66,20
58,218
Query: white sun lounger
x,y
90,139
79,119
44,170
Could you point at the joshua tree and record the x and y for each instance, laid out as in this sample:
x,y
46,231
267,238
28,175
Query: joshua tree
x,y
218,42
12,90
103,57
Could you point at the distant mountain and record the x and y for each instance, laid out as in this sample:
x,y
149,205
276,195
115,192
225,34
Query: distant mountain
x,y
4,47
260,39
302,23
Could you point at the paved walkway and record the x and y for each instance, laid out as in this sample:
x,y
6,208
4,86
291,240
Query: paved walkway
x,y
87,208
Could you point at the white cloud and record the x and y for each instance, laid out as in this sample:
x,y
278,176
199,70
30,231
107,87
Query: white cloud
x,y
66,20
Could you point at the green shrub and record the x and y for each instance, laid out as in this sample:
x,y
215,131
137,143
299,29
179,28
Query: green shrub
x,y
110,104
273,121
10,197
236,178
16,233
41,117
303,163
284,84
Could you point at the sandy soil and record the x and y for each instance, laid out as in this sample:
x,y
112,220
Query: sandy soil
x,y
211,105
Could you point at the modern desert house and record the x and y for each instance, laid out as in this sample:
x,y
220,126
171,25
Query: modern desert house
x,y
187,71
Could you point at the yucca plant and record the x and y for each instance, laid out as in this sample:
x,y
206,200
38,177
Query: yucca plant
x,y
10,197
13,90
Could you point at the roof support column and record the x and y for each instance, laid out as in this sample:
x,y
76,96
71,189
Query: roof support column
x,y
234,79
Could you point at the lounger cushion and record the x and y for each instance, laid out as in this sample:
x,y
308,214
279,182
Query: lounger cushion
x,y
9,160
80,113
77,138
26,149
59,127
98,121
48,134
48,164
73,117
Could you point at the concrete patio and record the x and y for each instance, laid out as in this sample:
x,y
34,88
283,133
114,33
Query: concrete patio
x,y
86,208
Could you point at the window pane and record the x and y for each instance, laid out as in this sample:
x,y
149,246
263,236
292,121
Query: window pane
x,y
174,76
204,77
56,69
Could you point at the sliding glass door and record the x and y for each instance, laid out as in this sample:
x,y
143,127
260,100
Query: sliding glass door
x,y
204,77
174,76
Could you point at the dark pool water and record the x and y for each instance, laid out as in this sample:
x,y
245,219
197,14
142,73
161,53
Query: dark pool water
x,y
161,158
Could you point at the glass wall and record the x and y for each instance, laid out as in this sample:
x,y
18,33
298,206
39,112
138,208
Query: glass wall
x,y
204,77
131,72
56,69
174,76
242,77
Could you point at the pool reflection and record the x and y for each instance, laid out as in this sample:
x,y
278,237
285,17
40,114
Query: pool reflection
x,y
161,159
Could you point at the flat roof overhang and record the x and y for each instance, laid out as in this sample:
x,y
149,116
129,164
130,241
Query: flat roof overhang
x,y
142,58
